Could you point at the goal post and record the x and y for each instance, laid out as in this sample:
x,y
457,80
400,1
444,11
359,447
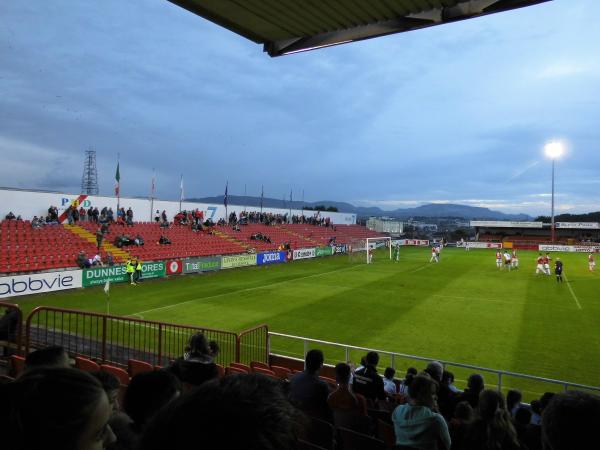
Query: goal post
x,y
361,250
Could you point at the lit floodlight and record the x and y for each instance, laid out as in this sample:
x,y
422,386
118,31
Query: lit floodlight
x,y
554,149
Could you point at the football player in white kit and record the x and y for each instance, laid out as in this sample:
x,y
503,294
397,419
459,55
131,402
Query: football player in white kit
x,y
499,259
507,260
591,262
515,260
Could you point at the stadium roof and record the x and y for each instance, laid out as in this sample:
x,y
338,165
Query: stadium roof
x,y
290,26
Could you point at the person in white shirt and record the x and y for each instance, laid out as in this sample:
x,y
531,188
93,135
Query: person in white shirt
x,y
434,255
389,386
499,259
507,260
515,259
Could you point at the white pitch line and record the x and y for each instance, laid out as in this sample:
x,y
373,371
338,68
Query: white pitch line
x,y
242,290
572,292
425,266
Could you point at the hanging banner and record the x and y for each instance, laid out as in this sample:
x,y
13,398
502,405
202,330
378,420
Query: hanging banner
x,y
270,258
38,283
116,274
323,251
229,262
195,265
304,253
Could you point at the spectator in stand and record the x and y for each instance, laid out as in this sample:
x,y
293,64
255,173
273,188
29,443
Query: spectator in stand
x,y
82,261
388,381
411,372
9,324
53,356
536,412
90,214
492,427
139,240
367,381
145,396
111,385
164,216
435,369
157,216
343,399
110,260
99,238
448,378
570,421
36,223
164,240
530,436
236,412
307,391
513,401
471,394
55,409
110,215
459,423
213,347
129,217
70,215
416,423
96,260
75,215
197,365
446,397
82,214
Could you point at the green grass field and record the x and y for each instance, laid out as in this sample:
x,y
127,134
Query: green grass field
x,y
463,309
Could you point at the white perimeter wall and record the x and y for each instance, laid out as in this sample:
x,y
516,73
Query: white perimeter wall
x,y
31,203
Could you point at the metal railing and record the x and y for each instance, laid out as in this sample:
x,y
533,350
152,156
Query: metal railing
x,y
345,352
253,345
116,339
11,331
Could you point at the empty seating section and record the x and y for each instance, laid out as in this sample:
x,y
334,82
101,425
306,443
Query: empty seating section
x,y
343,234
24,249
184,242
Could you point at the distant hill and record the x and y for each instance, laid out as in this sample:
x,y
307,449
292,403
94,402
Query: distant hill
x,y
428,210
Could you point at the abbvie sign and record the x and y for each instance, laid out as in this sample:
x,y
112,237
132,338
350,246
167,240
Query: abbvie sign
x,y
38,283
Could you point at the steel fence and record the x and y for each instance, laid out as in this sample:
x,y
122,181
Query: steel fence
x,y
253,345
116,339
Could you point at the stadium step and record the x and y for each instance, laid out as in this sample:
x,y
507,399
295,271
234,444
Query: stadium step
x,y
298,235
106,246
230,239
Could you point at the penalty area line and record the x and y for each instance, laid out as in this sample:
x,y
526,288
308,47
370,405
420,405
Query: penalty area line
x,y
572,292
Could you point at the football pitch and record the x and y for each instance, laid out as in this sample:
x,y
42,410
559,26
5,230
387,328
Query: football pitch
x,y
463,309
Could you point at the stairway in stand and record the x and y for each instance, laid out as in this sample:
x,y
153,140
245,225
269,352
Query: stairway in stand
x,y
118,254
228,238
298,235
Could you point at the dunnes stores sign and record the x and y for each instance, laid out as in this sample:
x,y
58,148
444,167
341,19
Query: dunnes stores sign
x,y
38,283
116,274
270,258
304,253
229,262
195,265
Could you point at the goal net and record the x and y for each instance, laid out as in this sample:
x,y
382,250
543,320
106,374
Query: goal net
x,y
368,250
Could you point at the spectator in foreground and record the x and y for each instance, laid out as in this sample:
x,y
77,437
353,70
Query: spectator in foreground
x,y
411,372
111,385
343,399
492,426
513,401
416,423
436,370
55,409
459,423
367,381
53,356
475,385
197,365
236,412
570,421
307,391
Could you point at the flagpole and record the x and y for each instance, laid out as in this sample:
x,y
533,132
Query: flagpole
x,y
180,192
118,177
291,201
262,194
302,202
245,199
225,201
152,188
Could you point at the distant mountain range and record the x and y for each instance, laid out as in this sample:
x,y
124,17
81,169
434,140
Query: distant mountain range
x,y
428,210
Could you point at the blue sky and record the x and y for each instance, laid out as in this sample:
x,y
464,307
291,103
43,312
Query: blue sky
x,y
456,113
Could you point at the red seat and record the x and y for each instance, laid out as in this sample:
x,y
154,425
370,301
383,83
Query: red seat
x,y
255,364
266,372
281,372
122,375
241,366
135,366
86,364
233,370
17,365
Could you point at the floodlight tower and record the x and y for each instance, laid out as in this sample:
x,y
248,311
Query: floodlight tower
x,y
553,150
89,180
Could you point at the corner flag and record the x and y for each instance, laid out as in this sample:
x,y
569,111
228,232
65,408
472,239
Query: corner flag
x,y
107,287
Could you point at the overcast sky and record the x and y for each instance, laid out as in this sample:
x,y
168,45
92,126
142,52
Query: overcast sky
x,y
454,113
